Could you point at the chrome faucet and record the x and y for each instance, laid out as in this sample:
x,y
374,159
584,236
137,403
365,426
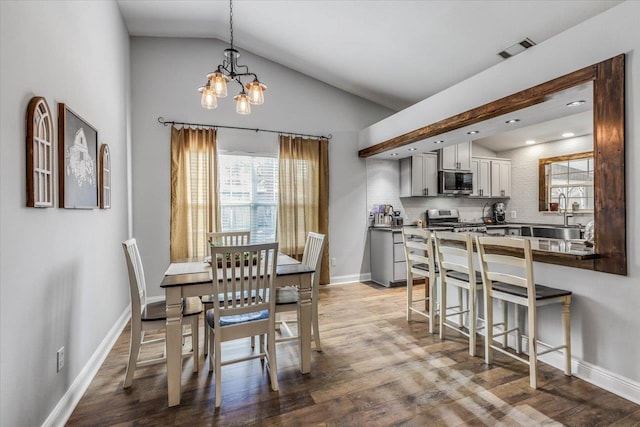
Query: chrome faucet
x,y
566,209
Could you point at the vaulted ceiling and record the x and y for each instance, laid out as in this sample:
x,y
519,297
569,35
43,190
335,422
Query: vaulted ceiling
x,y
394,53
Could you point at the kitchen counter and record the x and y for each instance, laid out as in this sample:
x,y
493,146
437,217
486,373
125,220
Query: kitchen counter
x,y
570,253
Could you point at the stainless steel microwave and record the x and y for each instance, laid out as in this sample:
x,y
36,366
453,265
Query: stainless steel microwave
x,y
453,182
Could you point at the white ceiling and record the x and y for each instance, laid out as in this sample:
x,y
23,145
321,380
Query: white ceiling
x,y
394,53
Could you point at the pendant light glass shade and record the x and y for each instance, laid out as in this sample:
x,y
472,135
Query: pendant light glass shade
x,y
208,99
242,104
219,84
256,92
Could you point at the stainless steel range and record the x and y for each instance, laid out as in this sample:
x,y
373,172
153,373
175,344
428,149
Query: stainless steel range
x,y
451,218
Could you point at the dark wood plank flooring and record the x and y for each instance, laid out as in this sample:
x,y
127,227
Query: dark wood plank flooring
x,y
376,370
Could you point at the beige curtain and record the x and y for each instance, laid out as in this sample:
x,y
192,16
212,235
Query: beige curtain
x,y
303,196
194,191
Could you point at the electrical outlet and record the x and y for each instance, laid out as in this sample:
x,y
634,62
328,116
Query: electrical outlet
x,y
60,358
333,262
513,215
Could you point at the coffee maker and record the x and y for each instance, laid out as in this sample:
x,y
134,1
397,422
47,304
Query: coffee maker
x,y
499,213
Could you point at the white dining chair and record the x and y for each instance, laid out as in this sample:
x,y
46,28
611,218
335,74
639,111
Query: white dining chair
x,y
243,270
152,316
455,259
223,238
419,254
500,254
287,297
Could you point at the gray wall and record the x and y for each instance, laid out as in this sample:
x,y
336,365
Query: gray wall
x,y
62,277
604,316
165,75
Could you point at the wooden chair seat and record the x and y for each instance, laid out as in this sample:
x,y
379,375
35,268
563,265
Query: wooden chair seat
x,y
158,310
464,277
542,292
425,267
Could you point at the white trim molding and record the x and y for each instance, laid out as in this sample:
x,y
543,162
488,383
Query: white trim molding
x,y
350,278
63,410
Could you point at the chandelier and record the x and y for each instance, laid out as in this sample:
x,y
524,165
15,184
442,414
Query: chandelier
x,y
230,70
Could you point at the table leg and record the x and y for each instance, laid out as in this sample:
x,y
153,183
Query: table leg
x,y
174,343
305,323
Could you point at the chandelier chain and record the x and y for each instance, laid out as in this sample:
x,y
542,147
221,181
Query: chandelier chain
x,y
231,21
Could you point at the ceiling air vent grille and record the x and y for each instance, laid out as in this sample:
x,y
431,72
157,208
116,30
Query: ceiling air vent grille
x,y
516,48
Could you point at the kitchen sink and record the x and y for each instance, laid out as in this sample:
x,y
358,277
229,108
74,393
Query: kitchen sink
x,y
552,232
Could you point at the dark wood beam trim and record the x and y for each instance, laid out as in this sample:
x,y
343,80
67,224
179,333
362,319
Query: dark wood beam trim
x,y
508,104
609,173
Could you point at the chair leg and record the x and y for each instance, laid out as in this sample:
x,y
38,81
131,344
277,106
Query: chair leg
x,y
533,347
460,308
211,349
443,309
206,306
432,301
134,351
195,341
272,360
488,327
217,351
518,322
315,329
505,320
471,305
566,326
409,293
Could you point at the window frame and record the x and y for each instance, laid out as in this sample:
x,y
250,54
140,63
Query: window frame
x,y
544,187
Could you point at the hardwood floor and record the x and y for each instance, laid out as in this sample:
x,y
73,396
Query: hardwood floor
x,y
376,370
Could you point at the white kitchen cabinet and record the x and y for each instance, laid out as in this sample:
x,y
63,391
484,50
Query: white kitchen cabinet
x,y
388,262
456,157
481,169
419,175
501,178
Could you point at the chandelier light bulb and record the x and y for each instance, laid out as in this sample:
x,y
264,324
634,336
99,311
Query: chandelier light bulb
x,y
242,104
256,92
208,99
219,84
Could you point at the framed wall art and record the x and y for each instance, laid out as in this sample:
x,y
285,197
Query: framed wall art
x,y
39,154
77,161
105,177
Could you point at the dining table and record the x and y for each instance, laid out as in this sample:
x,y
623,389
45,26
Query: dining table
x,y
191,278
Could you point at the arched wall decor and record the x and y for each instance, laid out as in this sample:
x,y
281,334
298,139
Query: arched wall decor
x,y
105,177
39,154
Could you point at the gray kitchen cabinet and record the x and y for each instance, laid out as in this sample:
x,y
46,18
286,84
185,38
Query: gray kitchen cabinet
x,y
501,178
388,262
456,157
481,169
419,175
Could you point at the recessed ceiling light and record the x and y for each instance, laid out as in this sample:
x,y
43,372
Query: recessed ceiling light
x,y
576,103
412,149
512,121
530,142
394,154
568,134
473,132
438,141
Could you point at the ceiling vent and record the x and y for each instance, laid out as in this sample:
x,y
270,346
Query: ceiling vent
x,y
516,48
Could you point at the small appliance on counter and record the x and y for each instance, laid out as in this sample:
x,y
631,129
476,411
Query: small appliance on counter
x,y
398,221
499,213
383,215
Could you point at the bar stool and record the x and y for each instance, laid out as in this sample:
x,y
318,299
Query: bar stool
x,y
521,290
463,276
419,253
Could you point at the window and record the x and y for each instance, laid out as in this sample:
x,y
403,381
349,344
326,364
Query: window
x,y
570,175
249,195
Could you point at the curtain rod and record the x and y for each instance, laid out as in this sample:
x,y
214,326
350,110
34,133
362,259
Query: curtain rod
x,y
172,122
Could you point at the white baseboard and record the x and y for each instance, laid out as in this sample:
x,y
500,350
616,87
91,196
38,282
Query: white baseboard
x,y
350,278
63,410
596,375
